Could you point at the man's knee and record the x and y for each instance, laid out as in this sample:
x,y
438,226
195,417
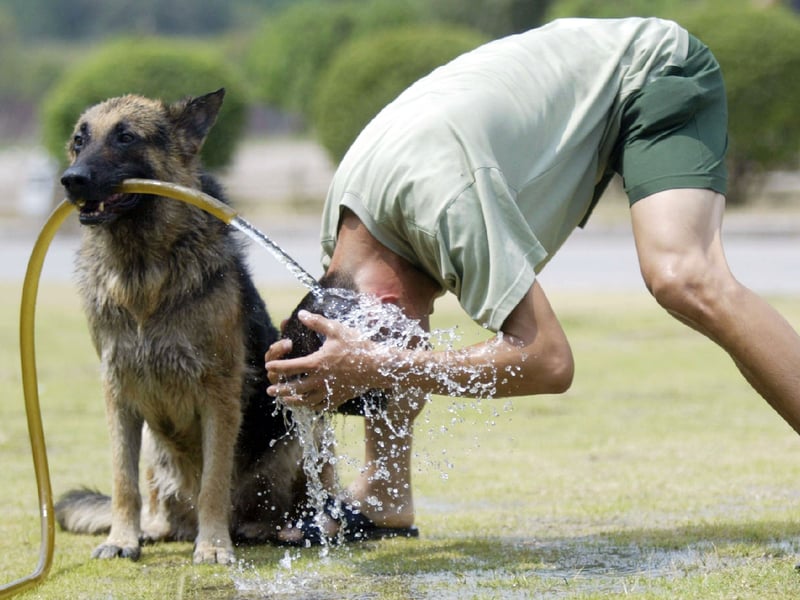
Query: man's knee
x,y
690,288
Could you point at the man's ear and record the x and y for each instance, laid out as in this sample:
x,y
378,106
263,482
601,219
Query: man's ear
x,y
193,118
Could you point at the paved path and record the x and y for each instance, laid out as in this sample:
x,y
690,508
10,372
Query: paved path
x,y
763,249
768,262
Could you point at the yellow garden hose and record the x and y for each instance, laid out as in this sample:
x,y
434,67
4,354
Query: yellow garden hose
x,y
178,192
31,393
28,355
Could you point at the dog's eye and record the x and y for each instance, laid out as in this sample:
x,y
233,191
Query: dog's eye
x,y
77,142
125,137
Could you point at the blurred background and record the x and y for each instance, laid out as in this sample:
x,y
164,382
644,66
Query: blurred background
x,y
304,76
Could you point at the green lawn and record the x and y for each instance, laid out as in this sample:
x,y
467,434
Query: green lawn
x,y
660,474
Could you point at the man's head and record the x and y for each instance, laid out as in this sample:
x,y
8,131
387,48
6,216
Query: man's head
x,y
366,286
337,298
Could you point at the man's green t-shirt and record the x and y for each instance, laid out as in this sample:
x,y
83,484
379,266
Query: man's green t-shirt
x,y
478,172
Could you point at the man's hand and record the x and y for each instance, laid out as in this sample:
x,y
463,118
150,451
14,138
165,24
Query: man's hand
x,y
343,368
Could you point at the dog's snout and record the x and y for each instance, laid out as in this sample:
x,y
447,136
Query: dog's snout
x,y
76,178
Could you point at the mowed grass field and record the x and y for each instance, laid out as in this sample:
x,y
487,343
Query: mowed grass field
x,y
660,474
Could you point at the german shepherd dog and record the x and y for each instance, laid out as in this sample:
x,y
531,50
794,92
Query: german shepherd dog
x,y
181,332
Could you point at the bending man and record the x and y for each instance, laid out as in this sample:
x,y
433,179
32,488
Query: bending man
x,y
473,178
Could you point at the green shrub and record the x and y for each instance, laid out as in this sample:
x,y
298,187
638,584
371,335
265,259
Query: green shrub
x,y
495,18
289,51
370,72
153,68
759,53
619,8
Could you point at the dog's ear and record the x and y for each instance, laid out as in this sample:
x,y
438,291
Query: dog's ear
x,y
193,118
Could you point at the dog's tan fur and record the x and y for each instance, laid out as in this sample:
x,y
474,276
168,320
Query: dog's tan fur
x,y
180,333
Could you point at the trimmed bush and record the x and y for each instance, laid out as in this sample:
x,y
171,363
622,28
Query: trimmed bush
x,y
370,72
495,18
154,68
290,50
620,8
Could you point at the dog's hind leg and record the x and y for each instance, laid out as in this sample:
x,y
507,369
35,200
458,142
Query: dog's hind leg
x,y
220,420
168,513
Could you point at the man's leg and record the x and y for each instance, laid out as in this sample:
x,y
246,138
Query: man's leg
x,y
678,240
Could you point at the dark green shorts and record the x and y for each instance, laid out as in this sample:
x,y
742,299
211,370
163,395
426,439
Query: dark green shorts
x,y
674,131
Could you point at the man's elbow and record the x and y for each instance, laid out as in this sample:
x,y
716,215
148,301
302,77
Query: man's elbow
x,y
553,374
562,373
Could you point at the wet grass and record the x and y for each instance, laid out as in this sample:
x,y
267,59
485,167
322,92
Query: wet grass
x,y
660,474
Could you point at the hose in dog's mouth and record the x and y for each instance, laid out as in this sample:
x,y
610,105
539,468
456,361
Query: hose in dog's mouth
x,y
27,321
188,195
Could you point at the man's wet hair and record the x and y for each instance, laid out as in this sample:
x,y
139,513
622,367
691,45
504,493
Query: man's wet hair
x,y
328,301
336,297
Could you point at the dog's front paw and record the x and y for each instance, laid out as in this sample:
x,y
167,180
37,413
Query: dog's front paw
x,y
206,552
109,550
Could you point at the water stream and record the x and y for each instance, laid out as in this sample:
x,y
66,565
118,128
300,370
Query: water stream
x,y
280,255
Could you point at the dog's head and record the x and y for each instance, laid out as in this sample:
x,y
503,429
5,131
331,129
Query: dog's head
x,y
134,137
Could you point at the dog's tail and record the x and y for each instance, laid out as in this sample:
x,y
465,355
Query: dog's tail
x,y
84,511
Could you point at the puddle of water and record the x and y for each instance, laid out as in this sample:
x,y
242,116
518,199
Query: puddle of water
x,y
566,569
287,582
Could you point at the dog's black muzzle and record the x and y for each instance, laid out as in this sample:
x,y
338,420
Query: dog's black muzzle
x,y
96,203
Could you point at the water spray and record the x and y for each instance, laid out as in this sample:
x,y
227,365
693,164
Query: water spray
x,y
30,391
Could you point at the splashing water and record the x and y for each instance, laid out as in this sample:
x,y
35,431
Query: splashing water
x,y
287,582
373,320
388,324
317,441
